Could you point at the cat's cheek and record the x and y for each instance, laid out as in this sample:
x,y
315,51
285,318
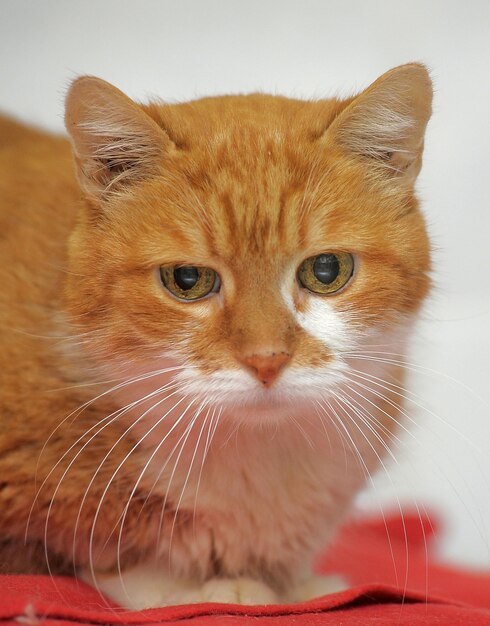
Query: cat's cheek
x,y
147,384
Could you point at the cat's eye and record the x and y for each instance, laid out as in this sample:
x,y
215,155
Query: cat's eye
x,y
326,273
189,282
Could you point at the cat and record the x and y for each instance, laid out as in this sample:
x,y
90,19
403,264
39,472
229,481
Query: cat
x,y
192,318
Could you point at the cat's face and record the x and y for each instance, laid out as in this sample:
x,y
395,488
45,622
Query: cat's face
x,y
252,244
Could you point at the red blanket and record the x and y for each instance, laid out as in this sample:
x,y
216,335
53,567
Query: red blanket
x,y
394,581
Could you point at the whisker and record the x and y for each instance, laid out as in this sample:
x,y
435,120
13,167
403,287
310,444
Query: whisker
x,y
368,420
164,505
122,518
209,439
123,515
301,430
85,405
106,489
403,412
400,509
391,417
368,476
411,400
415,367
188,474
118,414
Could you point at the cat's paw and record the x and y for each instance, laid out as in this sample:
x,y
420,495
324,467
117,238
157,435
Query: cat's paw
x,y
237,591
220,590
315,587
144,587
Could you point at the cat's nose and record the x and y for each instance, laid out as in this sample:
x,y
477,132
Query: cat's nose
x,y
266,366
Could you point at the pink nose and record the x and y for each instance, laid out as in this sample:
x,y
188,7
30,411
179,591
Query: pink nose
x,y
266,366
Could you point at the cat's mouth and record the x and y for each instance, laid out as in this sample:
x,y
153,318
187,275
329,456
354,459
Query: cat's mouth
x,y
174,388
262,405
260,411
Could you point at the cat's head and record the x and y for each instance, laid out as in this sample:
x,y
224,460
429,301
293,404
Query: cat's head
x,y
255,241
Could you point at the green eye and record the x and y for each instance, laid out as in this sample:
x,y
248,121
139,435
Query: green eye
x,y
326,273
189,282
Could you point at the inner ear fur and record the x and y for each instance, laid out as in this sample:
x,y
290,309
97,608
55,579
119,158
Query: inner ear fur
x,y
386,122
114,141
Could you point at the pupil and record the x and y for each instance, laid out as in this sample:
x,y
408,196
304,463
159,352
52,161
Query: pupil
x,y
186,277
326,268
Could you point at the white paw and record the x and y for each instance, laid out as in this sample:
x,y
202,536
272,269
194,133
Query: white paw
x,y
315,587
237,591
144,587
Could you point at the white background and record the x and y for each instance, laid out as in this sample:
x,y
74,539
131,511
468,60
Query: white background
x,y
182,49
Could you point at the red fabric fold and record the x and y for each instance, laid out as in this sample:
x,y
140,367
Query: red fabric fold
x,y
386,561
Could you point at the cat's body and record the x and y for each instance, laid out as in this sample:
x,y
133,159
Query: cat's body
x,y
236,468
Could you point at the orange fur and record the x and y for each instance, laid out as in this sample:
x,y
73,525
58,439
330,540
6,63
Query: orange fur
x,y
247,185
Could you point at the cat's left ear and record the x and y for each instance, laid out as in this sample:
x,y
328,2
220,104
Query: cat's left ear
x,y
386,122
115,142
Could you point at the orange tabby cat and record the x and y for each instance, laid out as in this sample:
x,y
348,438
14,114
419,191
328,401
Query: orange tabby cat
x,y
190,395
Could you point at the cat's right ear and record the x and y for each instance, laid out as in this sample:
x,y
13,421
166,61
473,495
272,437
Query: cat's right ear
x,y
114,141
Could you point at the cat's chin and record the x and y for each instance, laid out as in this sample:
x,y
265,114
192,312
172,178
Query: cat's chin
x,y
264,409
